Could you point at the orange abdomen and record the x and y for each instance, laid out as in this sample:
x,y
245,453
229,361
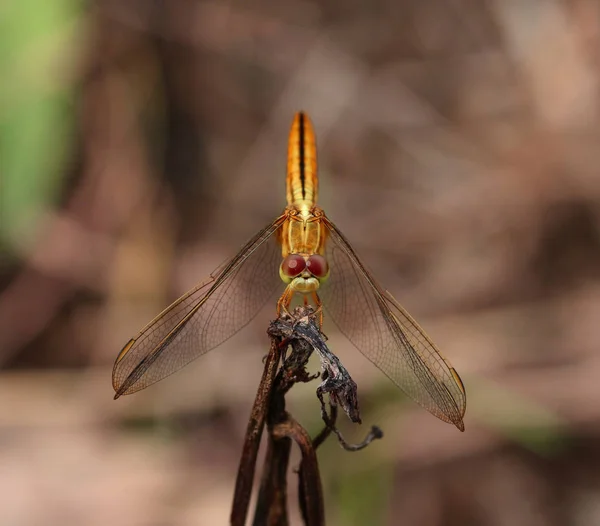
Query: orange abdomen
x,y
302,181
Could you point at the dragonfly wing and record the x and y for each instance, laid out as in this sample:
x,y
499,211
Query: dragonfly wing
x,y
387,335
203,318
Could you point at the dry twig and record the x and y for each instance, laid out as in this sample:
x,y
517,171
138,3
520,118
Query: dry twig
x,y
300,333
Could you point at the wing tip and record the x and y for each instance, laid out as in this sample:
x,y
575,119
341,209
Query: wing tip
x,y
119,391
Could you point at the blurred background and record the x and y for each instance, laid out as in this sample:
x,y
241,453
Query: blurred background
x,y
142,142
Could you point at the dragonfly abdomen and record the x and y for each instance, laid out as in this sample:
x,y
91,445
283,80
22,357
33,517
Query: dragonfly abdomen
x,y
302,181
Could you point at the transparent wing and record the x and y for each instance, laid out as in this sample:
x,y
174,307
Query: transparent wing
x,y
203,318
387,335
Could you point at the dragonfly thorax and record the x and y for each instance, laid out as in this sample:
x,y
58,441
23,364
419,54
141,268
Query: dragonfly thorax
x,y
302,232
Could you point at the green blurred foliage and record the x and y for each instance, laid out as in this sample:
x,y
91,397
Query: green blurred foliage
x,y
38,51
362,497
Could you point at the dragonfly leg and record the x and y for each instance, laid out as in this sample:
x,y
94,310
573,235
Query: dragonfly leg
x,y
319,310
284,302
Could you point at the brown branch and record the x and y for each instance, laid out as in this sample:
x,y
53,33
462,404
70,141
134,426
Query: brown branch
x,y
297,336
310,489
271,505
245,476
271,509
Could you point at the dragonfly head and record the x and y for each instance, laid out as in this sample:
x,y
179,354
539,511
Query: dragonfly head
x,y
304,273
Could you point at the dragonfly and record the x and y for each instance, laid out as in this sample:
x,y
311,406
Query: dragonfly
x,y
304,253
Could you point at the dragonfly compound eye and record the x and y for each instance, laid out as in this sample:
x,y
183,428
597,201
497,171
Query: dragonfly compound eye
x,y
317,266
292,266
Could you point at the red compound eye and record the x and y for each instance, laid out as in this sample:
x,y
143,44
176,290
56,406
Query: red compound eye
x,y
292,265
317,266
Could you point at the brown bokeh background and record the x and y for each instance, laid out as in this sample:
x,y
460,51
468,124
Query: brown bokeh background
x,y
142,142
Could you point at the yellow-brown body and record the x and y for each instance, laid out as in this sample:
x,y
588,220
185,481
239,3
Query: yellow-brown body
x,y
303,231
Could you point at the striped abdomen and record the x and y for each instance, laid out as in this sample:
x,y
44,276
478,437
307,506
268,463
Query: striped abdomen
x,y
302,181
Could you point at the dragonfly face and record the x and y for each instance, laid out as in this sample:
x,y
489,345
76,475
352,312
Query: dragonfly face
x,y
306,250
304,273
